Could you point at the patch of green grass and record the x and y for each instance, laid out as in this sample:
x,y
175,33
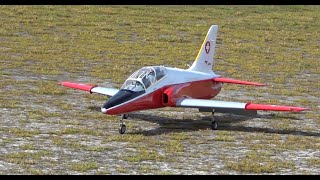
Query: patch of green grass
x,y
58,141
314,162
35,171
279,144
304,101
313,116
174,146
63,105
9,103
49,88
26,158
96,116
224,136
24,121
254,162
84,166
132,138
197,141
7,140
145,169
45,70
23,132
179,136
68,122
28,146
144,155
76,145
95,97
284,124
41,114
85,131
122,170
297,142
162,172
252,166
97,148
103,172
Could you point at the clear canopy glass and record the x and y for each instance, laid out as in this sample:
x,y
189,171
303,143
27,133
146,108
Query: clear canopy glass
x,y
144,78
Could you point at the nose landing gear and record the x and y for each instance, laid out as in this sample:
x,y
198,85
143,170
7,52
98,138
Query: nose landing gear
x,y
122,127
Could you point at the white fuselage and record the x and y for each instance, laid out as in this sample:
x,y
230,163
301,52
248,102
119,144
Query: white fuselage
x,y
176,84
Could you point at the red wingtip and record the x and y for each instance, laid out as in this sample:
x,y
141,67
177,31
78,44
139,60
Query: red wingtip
x,y
80,86
267,107
234,81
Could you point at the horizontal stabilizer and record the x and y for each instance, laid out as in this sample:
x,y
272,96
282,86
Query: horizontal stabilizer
x,y
234,81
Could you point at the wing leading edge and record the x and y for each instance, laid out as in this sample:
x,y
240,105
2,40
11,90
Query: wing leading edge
x,y
90,88
223,106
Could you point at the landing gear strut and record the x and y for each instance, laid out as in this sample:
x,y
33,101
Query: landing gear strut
x,y
122,127
214,123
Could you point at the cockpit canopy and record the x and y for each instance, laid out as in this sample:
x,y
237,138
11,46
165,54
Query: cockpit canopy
x,y
144,78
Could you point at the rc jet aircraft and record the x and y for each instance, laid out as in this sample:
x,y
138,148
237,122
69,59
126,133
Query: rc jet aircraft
x,y
154,87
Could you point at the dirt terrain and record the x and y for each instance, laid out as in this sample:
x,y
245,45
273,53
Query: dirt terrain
x,y
49,129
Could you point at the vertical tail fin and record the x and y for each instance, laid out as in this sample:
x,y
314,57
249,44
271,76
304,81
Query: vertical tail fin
x,y
204,60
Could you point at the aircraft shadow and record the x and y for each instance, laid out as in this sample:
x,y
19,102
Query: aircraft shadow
x,y
225,123
167,124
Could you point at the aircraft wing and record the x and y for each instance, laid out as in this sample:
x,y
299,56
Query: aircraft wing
x,y
223,106
90,88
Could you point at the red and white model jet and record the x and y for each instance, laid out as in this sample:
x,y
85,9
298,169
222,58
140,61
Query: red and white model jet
x,y
158,86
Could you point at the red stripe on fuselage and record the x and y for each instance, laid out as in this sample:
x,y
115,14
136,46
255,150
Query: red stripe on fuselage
x,y
198,90
204,89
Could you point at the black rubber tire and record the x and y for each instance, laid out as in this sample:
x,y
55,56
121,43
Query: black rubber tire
x,y
214,125
125,116
122,129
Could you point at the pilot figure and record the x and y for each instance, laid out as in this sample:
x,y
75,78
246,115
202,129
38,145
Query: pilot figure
x,y
151,77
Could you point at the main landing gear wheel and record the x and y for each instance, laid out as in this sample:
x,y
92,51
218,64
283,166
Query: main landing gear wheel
x,y
122,129
214,123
